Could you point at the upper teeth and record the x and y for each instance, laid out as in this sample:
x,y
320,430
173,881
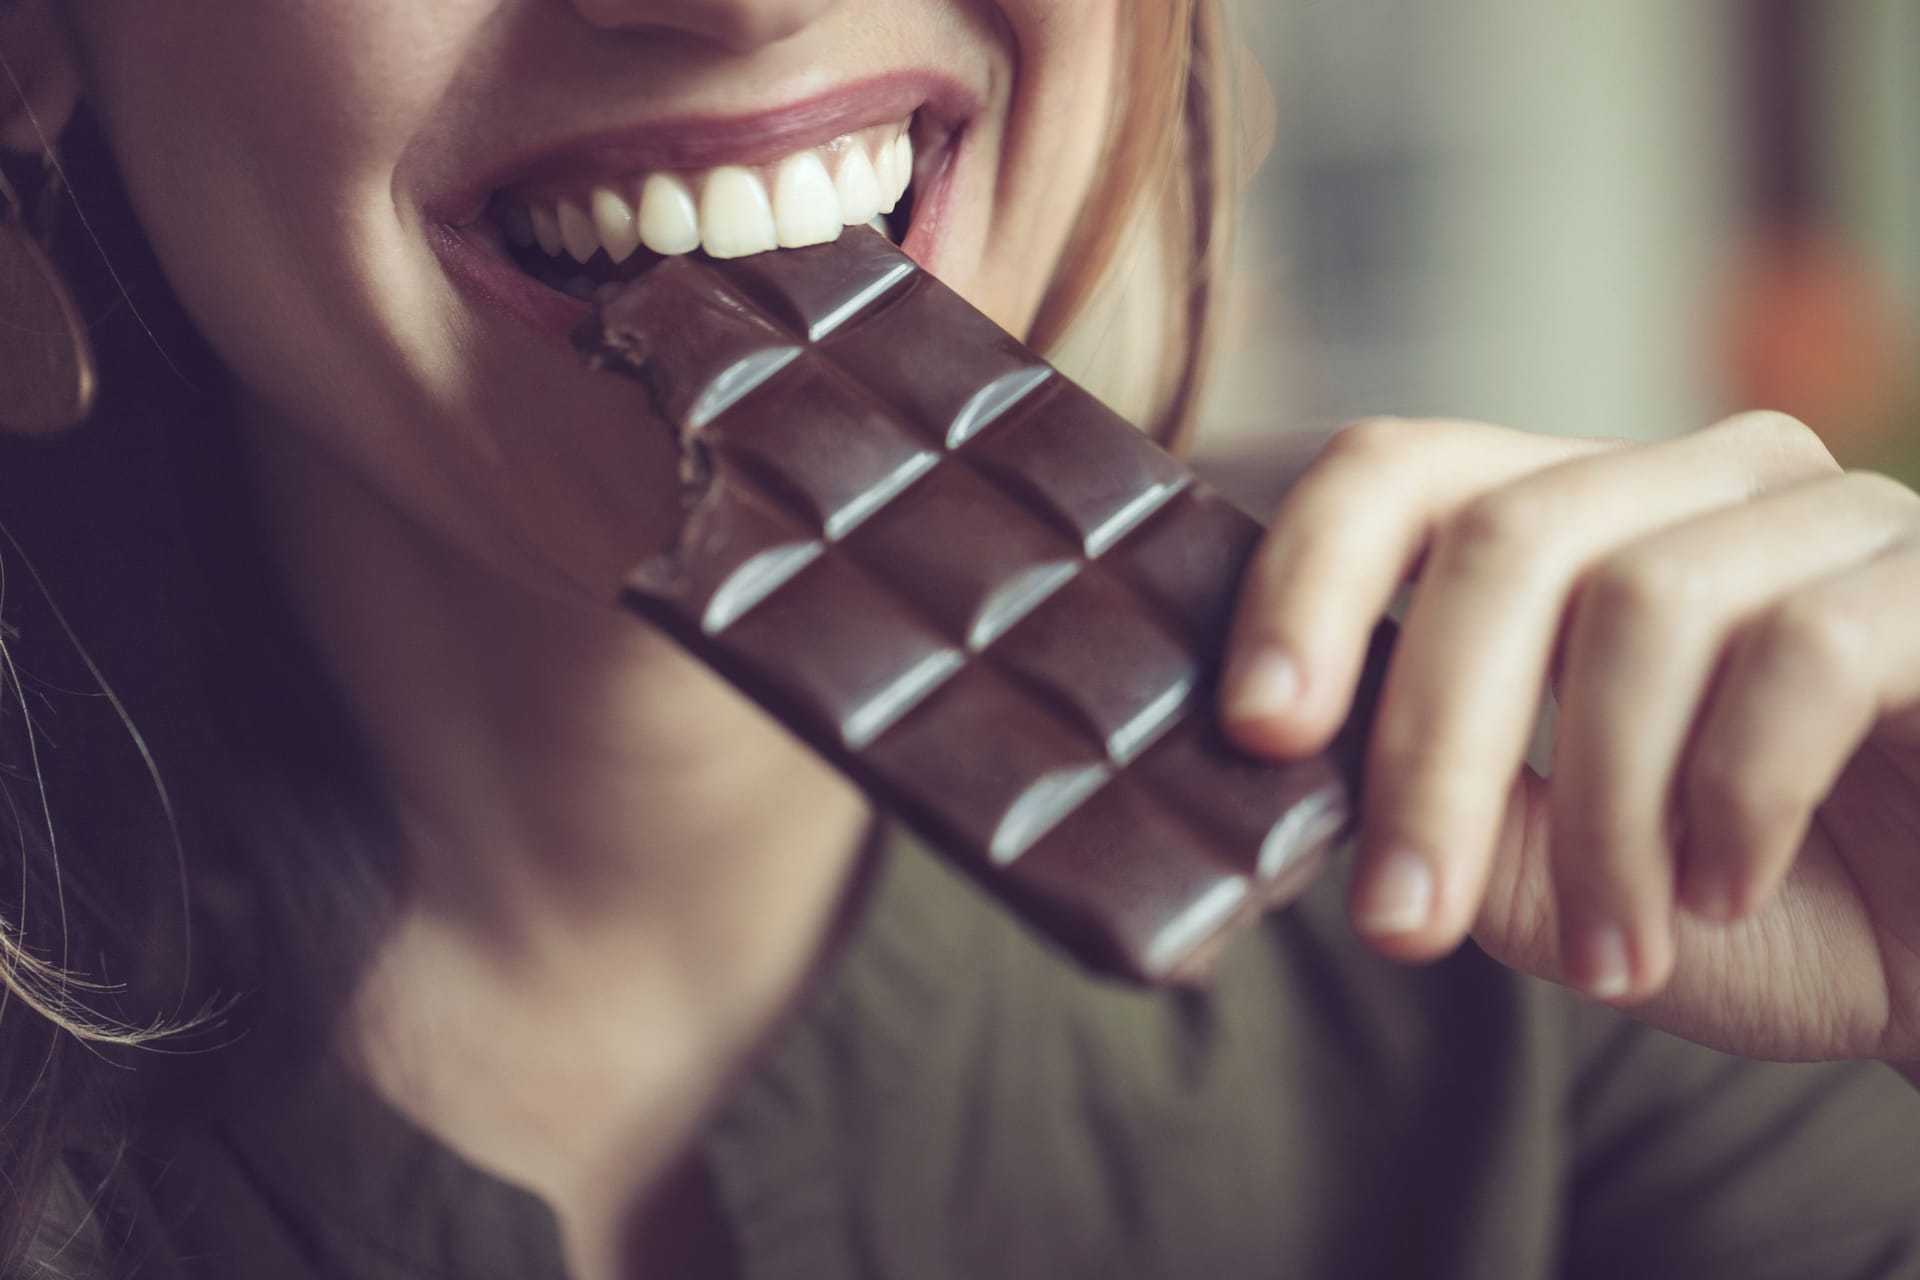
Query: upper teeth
x,y
730,211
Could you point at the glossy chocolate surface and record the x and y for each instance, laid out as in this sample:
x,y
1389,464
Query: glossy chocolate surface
x,y
992,602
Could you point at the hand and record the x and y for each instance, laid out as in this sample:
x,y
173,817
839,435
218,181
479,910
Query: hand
x,y
1730,836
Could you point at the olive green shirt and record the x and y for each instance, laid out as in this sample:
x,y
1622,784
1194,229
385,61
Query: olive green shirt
x,y
955,1102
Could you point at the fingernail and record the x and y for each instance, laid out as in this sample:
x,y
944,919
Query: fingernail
x,y
1597,962
1267,684
1398,898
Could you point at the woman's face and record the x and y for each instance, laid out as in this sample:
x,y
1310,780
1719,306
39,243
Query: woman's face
x,y
337,189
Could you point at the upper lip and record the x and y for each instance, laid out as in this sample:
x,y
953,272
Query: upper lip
x,y
703,142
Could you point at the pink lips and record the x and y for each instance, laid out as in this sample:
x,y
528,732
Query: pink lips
x,y
943,104
470,248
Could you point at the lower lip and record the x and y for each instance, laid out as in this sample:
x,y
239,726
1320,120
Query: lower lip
x,y
486,275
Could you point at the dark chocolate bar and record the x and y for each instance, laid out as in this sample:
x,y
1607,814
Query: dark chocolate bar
x,y
993,603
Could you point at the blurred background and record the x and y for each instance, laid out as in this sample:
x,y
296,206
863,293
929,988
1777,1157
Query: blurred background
x,y
1610,217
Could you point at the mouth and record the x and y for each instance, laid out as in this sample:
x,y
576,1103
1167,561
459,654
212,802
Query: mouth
x,y
550,244
588,240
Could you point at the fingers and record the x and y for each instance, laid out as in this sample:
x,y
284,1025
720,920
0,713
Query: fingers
x,y
1463,692
1349,534
1803,683
1648,627
1359,522
1710,603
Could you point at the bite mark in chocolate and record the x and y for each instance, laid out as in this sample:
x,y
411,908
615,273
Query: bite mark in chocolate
x,y
987,599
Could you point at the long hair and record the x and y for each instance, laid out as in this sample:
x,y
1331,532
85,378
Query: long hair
x,y
200,858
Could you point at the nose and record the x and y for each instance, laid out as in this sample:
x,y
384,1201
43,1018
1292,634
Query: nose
x,y
740,25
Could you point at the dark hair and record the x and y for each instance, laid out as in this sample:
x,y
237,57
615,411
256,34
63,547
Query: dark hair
x,y
161,718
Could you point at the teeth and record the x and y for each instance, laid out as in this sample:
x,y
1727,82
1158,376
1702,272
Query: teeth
x,y
613,220
894,168
736,218
905,148
731,211
806,208
858,188
669,221
884,165
546,230
577,233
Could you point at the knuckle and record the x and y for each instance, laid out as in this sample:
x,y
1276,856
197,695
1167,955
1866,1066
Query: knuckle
x,y
1767,422
1729,798
1635,589
1783,433
1598,840
1501,527
1808,641
1581,846
1373,439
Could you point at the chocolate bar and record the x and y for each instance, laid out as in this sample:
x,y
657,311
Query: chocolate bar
x,y
990,601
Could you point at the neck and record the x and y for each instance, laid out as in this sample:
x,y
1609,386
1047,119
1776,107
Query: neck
x,y
557,765
609,846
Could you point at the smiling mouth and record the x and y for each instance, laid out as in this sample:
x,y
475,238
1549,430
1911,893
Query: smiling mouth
x,y
586,239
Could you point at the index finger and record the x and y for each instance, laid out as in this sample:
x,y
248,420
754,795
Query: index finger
x,y
1350,532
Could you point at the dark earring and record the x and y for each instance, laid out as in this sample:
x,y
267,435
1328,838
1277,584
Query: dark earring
x,y
46,359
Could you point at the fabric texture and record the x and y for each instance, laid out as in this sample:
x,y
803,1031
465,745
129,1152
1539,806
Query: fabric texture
x,y
956,1102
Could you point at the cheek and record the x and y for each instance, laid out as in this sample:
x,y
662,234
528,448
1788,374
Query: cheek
x,y
258,142
269,104
1063,93
1072,47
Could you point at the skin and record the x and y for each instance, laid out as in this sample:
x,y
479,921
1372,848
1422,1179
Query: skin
x,y
1728,618
603,929
1728,621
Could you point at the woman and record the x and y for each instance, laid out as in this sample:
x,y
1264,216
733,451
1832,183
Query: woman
x,y
505,976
